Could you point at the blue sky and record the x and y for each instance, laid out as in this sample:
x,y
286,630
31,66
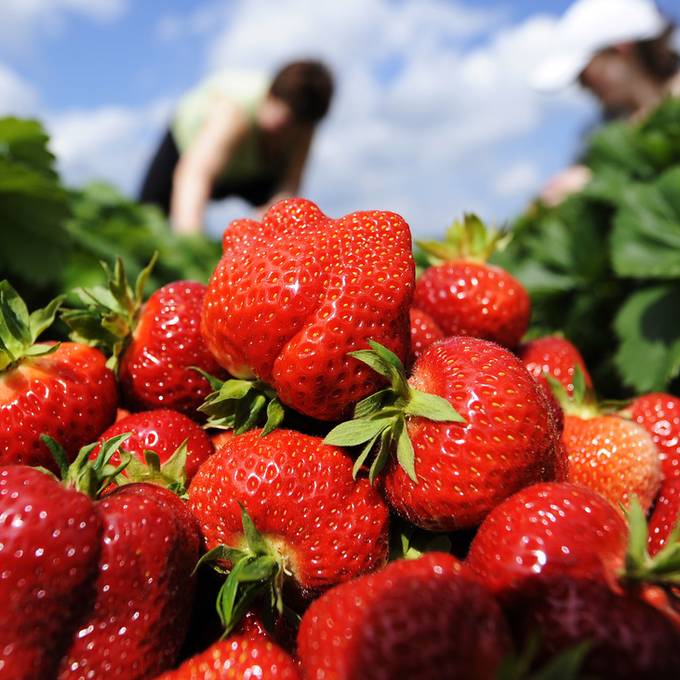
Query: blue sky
x,y
433,114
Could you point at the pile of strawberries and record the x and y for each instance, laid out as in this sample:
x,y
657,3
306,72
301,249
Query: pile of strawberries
x,y
320,467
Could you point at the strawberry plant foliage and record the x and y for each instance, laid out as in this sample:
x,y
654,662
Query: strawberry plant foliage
x,y
604,266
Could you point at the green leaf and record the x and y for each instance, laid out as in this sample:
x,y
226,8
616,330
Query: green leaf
x,y
373,360
373,403
58,453
355,432
256,543
648,356
41,319
432,407
361,458
637,541
275,416
405,453
384,449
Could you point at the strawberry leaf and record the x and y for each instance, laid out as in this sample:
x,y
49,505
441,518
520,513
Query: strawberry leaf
x,y
405,453
355,432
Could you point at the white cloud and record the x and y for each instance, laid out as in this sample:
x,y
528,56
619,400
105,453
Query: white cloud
x,y
426,139
108,143
24,21
17,96
518,178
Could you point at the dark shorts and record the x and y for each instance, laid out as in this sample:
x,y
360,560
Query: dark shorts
x,y
157,184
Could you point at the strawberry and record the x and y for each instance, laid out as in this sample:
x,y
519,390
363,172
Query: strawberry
x,y
659,414
293,294
554,356
161,431
63,390
607,453
303,517
613,456
500,435
422,618
107,582
424,331
154,346
553,528
626,638
666,514
144,590
50,541
465,295
237,657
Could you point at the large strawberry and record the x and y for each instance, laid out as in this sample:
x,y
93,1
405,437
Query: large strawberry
x,y
626,638
500,435
114,575
155,345
304,518
659,414
50,540
422,618
161,431
562,529
140,617
63,390
553,528
237,657
467,296
293,294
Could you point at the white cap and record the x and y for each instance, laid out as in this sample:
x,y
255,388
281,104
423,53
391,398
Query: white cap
x,y
589,26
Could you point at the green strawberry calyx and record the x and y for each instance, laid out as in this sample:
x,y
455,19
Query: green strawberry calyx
x,y
380,420
467,239
170,475
241,405
110,313
256,569
90,477
566,665
662,569
582,403
19,330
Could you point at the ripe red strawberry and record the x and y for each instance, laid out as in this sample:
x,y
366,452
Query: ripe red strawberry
x,y
318,525
49,549
456,472
556,357
553,528
613,456
237,657
465,295
627,638
139,620
424,331
63,390
666,514
292,295
161,431
659,414
421,619
107,583
155,345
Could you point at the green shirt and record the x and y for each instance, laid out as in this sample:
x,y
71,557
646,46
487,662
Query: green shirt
x,y
246,89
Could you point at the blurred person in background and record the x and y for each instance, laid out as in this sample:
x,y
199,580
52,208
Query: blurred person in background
x,y
240,134
621,52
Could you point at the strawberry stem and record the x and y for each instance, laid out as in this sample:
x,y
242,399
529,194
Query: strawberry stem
x,y
255,570
380,420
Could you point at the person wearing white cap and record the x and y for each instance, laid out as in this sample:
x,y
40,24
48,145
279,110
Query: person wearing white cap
x,y
619,50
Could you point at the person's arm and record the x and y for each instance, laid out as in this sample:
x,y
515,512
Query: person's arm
x,y
292,178
201,164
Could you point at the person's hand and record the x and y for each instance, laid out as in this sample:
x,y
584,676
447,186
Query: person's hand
x,y
568,182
